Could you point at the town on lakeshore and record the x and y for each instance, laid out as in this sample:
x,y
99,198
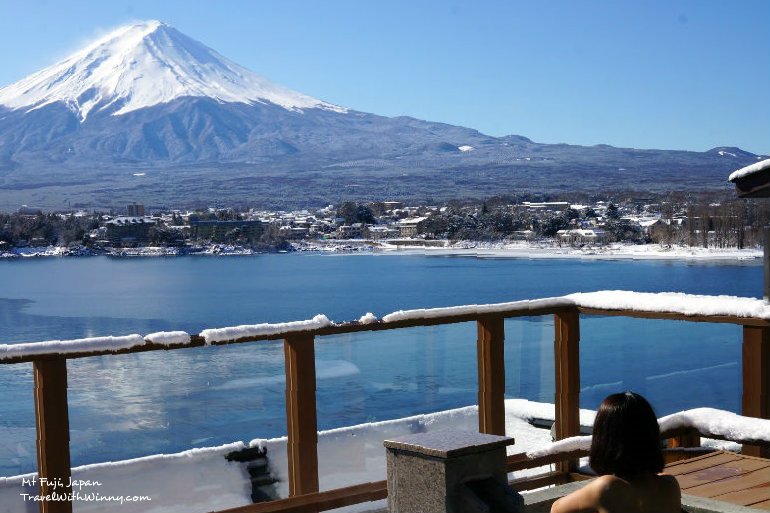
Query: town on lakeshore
x,y
713,221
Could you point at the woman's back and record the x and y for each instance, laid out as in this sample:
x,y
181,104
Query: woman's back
x,y
626,453
610,494
650,494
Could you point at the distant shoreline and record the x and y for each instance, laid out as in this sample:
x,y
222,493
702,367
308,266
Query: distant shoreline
x,y
528,250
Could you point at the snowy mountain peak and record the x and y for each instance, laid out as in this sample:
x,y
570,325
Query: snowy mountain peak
x,y
146,64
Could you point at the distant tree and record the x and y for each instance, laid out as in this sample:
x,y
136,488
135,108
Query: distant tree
x,y
355,213
548,226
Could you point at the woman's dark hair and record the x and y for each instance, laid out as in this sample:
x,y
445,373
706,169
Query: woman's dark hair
x,y
626,437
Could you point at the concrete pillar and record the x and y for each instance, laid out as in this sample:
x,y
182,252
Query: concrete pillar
x,y
449,472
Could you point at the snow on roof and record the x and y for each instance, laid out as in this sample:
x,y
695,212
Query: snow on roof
x,y
672,302
411,221
750,170
265,329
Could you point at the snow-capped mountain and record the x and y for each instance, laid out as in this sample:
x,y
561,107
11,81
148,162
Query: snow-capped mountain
x,y
147,113
144,65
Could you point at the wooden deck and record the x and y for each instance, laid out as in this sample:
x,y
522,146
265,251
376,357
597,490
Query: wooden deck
x,y
725,476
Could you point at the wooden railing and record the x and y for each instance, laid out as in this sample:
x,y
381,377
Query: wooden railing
x,y
52,426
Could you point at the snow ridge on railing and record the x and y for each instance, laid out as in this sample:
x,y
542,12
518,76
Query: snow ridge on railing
x,y
707,421
672,302
432,313
258,330
616,300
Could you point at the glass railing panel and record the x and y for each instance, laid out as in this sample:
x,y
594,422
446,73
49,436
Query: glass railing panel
x,y
529,384
379,385
677,365
195,406
17,420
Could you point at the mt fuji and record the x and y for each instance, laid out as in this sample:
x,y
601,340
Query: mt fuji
x,y
148,113
144,65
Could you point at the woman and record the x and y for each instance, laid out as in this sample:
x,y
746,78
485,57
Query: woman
x,y
626,453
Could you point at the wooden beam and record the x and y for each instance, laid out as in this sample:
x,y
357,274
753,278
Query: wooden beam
x,y
540,481
53,434
322,501
491,365
756,380
301,423
520,461
689,440
676,316
567,367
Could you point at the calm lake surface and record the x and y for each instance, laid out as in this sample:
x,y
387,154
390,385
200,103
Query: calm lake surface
x,y
134,405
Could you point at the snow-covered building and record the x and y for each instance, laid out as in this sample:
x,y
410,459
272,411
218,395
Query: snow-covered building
x,y
579,236
410,227
127,230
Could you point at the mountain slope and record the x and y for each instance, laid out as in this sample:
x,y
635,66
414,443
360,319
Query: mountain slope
x,y
147,113
144,65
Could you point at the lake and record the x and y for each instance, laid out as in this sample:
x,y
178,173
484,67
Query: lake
x,y
134,405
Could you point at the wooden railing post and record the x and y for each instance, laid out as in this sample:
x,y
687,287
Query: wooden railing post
x,y
491,364
756,380
301,423
682,441
567,367
53,434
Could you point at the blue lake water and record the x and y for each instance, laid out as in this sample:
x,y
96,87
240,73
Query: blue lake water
x,y
133,405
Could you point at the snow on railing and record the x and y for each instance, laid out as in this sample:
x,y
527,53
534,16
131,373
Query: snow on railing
x,y
456,311
86,345
610,300
672,302
169,338
709,422
266,329
71,346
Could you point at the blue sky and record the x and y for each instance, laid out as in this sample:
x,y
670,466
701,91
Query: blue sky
x,y
647,74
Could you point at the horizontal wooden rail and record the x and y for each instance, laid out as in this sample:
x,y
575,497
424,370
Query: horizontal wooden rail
x,y
669,316
520,461
320,501
336,329
356,327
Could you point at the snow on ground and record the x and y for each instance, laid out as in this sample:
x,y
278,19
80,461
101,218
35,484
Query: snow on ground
x,y
364,455
615,251
198,480
201,480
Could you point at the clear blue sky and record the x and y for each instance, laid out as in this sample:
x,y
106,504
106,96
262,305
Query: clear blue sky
x,y
648,74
